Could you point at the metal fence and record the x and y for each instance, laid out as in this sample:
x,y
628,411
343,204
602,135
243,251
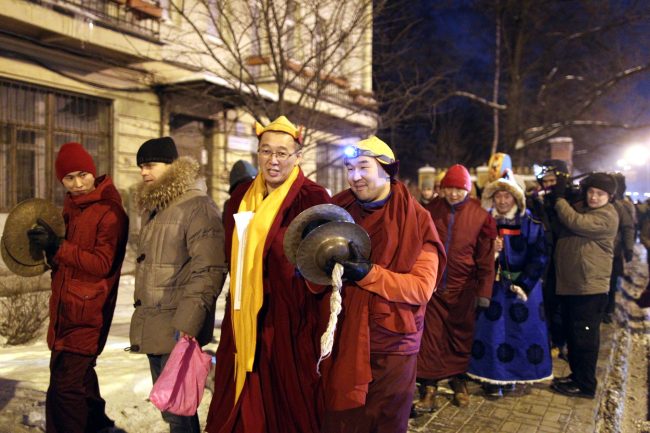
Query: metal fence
x,y
140,18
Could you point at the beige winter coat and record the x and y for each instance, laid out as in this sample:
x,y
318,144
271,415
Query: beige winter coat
x,y
584,252
180,261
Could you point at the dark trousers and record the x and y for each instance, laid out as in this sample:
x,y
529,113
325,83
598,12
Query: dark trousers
x,y
388,403
73,403
177,423
618,270
552,309
582,316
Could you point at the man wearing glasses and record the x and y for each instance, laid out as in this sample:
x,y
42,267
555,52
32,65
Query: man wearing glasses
x,y
270,336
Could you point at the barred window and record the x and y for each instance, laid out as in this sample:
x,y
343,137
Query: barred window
x,y
34,123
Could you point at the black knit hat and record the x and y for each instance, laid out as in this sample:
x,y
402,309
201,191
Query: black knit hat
x,y
157,150
602,181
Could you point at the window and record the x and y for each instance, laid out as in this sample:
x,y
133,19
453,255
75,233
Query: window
x,y
192,136
330,170
34,123
212,17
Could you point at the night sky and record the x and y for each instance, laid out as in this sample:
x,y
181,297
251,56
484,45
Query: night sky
x,y
558,72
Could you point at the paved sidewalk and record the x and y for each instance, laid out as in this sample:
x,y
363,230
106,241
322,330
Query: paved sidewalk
x,y
541,410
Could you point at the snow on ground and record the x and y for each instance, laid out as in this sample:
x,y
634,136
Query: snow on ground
x,y
125,380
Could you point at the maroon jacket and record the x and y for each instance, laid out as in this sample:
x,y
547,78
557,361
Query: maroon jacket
x,y
87,270
383,313
468,232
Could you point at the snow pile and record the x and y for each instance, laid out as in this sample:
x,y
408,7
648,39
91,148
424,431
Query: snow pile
x,y
125,380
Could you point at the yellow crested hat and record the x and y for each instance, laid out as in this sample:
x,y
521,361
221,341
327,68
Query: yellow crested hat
x,y
373,146
281,124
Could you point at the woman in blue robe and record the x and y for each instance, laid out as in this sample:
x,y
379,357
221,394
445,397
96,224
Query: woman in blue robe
x,y
511,343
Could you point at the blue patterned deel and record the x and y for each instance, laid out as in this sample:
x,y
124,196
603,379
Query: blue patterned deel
x,y
511,343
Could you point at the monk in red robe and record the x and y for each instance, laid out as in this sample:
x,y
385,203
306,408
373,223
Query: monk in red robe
x,y
266,378
370,376
469,233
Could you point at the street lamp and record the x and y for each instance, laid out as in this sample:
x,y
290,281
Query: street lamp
x,y
637,154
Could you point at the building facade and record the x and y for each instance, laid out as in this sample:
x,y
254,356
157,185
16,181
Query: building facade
x,y
114,73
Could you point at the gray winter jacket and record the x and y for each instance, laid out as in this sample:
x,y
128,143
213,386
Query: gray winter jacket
x,y
180,261
583,256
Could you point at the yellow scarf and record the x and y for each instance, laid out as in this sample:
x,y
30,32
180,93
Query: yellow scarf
x,y
244,321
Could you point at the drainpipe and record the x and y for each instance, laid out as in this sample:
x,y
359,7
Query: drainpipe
x,y
164,115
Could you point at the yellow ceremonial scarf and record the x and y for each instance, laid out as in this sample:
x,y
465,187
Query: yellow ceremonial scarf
x,y
244,321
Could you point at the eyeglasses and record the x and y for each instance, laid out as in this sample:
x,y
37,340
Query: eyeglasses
x,y
279,155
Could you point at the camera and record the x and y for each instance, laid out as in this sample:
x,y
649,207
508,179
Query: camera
x,y
574,191
555,172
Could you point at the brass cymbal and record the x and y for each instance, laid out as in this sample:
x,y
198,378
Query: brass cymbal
x,y
306,221
17,267
327,241
16,251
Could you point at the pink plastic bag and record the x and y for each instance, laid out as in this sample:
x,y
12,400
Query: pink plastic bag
x,y
179,388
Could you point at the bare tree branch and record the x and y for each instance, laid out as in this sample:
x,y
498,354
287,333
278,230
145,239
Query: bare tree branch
x,y
479,99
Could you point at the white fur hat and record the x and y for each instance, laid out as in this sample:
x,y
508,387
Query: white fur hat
x,y
505,184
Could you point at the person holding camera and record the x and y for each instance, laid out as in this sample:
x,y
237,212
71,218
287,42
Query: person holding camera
x,y
541,204
583,264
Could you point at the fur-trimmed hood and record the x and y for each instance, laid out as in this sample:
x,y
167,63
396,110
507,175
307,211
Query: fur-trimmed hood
x,y
182,176
504,184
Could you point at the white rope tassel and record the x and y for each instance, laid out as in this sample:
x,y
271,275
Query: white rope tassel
x,y
327,339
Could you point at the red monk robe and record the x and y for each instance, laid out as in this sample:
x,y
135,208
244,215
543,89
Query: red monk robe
x,y
371,374
469,232
283,394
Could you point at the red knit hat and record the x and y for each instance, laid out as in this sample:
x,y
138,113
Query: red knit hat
x,y
457,177
73,157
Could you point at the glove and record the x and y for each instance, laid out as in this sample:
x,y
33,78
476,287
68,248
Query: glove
x,y
629,255
521,294
43,238
482,303
38,237
355,268
559,189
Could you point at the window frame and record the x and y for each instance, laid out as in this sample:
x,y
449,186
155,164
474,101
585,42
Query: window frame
x,y
52,129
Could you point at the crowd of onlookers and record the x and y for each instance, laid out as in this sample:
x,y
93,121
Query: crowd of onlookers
x,y
560,253
452,285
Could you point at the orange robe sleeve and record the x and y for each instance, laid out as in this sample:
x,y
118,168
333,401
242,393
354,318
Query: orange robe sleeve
x,y
414,288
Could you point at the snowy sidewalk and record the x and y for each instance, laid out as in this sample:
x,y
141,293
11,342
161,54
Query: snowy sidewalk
x,y
125,380
621,388
125,384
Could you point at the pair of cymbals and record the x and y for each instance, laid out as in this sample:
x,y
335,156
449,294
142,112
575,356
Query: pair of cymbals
x,y
17,253
320,233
